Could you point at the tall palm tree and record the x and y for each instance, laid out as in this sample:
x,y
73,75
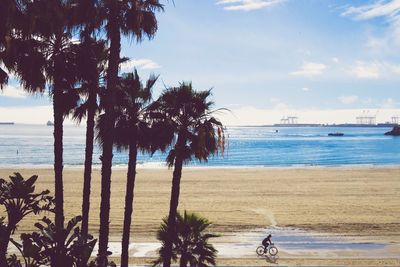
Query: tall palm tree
x,y
198,134
135,18
41,58
91,65
86,18
132,132
190,242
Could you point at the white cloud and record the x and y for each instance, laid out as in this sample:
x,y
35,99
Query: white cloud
x,y
388,40
367,101
389,8
335,60
248,5
278,104
349,99
310,69
31,115
139,63
281,106
366,70
14,92
393,68
374,70
305,89
34,115
389,103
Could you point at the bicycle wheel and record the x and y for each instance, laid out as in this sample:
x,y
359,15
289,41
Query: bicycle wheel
x,y
273,250
260,251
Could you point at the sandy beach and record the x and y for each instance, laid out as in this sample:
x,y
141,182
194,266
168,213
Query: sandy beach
x,y
362,202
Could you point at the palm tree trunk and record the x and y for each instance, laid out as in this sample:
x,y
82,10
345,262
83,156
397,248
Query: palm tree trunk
x,y
173,206
87,177
183,261
112,76
130,194
4,239
58,169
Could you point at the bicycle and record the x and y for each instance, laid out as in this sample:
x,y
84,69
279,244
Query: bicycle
x,y
271,250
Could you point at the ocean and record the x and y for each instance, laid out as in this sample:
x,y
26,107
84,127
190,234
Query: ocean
x,y
32,146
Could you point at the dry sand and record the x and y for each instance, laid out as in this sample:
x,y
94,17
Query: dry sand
x,y
353,202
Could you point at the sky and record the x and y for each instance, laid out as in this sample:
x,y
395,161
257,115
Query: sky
x,y
322,61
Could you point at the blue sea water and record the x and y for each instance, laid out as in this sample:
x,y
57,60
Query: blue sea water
x,y
32,145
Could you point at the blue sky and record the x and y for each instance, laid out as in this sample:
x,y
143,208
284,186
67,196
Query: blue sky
x,y
324,61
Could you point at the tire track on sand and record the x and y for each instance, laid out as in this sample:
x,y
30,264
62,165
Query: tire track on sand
x,y
268,215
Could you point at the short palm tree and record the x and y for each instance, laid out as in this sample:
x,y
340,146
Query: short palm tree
x,y
132,131
193,132
191,242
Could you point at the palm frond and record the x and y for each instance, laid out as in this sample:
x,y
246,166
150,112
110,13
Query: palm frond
x,y
190,114
190,242
140,19
3,78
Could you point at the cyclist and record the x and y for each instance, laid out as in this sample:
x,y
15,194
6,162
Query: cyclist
x,y
267,241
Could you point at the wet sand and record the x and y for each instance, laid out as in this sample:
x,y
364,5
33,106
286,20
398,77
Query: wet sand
x,y
363,203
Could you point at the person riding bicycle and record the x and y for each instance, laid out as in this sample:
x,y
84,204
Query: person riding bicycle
x,y
267,241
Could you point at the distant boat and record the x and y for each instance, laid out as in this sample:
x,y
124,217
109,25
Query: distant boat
x,y
50,123
335,134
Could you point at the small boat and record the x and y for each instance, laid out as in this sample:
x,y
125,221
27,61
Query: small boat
x,y
335,134
50,123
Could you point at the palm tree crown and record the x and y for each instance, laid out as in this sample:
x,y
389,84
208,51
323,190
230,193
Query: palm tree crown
x,y
191,242
191,120
131,112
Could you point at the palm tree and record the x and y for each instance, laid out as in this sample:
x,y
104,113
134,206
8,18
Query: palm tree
x,y
86,18
45,56
132,131
91,65
198,133
190,241
134,18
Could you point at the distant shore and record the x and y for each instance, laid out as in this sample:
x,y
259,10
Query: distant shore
x,y
355,202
